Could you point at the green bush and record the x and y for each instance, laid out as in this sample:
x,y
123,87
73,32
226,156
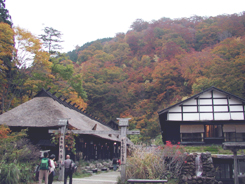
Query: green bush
x,y
10,174
18,157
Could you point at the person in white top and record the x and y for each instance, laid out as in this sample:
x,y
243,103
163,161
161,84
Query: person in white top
x,y
51,169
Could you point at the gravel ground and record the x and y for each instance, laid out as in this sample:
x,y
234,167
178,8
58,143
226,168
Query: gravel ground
x,y
102,178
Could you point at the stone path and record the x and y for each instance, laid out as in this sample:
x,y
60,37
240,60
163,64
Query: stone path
x,y
102,178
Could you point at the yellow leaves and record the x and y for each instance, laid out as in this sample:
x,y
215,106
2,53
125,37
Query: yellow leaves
x,y
29,49
73,96
4,131
102,56
42,58
2,66
51,76
6,40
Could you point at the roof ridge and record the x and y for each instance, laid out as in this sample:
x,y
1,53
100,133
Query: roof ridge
x,y
45,93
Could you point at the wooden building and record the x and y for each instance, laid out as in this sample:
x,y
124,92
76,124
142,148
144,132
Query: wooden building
x,y
210,117
224,167
44,112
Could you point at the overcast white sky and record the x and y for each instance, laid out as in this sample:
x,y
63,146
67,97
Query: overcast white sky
x,y
82,21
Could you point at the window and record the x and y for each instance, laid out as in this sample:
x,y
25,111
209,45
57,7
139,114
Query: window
x,y
213,131
191,133
234,137
223,171
191,137
241,167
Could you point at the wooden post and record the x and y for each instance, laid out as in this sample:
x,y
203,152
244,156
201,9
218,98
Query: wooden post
x,y
123,124
234,147
62,147
235,167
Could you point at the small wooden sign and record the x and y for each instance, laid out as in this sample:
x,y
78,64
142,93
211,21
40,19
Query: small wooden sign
x,y
62,122
123,150
123,121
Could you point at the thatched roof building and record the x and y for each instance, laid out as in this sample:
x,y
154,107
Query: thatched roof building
x,y
45,110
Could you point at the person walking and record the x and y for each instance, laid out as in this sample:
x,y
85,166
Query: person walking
x,y
44,169
51,169
68,164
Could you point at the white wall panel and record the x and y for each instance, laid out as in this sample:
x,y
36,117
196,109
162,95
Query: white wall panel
x,y
190,109
190,116
217,94
220,101
222,116
205,109
190,102
237,116
220,108
234,101
205,102
175,109
206,95
236,108
174,117
206,116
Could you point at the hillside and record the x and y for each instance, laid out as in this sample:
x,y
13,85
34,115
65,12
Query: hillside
x,y
135,74
156,64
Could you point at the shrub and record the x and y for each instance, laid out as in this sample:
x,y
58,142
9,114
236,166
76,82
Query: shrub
x,y
156,163
9,174
18,157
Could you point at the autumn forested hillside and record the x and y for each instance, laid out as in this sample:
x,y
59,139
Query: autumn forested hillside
x,y
158,63
154,65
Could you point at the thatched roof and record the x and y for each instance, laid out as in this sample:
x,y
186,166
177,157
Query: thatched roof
x,y
46,112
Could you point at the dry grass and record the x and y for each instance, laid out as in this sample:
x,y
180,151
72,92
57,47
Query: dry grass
x,y
156,163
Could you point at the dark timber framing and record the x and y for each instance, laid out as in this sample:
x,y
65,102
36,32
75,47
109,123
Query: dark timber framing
x,y
212,108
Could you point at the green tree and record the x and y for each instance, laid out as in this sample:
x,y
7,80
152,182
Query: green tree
x,y
18,72
64,78
4,14
8,68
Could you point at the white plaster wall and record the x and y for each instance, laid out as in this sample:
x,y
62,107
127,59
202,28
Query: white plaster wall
x,y
205,109
206,116
220,101
191,117
236,108
217,94
237,116
221,116
205,102
175,109
190,109
190,102
234,101
174,117
220,108
206,95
